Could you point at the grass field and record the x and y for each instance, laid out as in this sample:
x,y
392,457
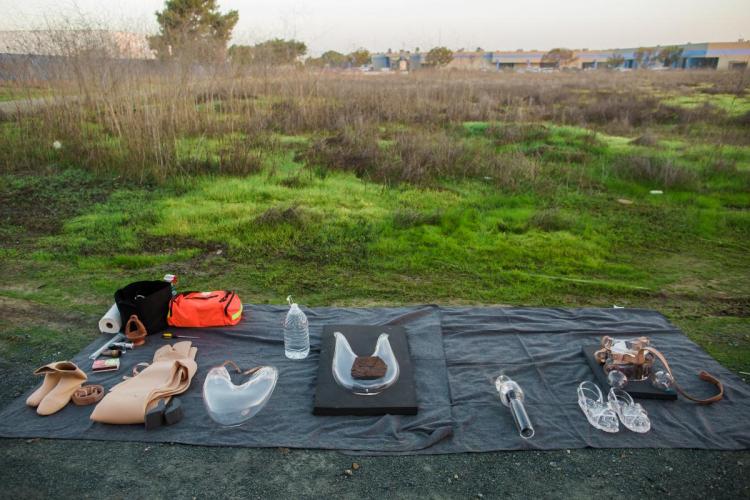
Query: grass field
x,y
352,190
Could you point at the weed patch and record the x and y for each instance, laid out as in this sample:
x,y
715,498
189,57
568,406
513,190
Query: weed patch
x,y
654,171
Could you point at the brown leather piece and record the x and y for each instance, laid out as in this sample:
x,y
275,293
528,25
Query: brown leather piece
x,y
135,331
703,375
88,394
368,368
645,356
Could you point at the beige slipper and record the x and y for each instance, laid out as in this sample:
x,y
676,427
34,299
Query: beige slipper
x,y
69,378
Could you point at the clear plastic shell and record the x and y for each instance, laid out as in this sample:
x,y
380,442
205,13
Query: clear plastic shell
x,y
343,359
598,413
632,415
231,405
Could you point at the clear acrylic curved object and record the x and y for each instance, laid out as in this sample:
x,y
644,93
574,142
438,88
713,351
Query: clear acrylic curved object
x,y
597,411
632,415
230,405
343,359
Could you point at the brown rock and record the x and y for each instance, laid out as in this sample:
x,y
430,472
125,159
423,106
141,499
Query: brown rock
x,y
368,367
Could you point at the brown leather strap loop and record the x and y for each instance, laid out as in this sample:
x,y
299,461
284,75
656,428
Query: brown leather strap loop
x,y
239,370
88,395
703,375
136,371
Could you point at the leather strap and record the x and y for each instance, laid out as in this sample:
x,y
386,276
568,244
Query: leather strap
x,y
703,375
239,370
88,395
642,344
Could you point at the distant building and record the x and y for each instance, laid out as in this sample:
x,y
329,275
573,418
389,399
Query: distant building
x,y
46,54
397,61
714,55
463,59
66,43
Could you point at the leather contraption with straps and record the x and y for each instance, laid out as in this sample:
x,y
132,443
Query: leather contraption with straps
x,y
205,309
642,362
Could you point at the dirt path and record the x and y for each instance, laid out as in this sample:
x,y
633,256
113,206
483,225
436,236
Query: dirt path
x,y
34,468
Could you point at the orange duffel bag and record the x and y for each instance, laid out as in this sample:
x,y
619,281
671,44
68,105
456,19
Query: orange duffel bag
x,y
193,309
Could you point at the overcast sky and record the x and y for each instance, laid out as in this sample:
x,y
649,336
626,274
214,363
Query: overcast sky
x,y
405,24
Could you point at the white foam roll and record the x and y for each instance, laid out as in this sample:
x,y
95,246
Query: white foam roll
x,y
111,322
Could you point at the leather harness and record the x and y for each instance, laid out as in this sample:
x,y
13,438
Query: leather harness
x,y
642,347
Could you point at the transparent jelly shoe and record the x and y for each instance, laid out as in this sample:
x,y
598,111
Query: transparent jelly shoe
x,y
597,411
343,359
632,415
230,405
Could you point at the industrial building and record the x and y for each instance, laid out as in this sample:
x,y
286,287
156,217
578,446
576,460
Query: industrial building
x,y
45,54
713,55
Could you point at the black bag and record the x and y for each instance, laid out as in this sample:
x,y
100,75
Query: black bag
x,y
149,300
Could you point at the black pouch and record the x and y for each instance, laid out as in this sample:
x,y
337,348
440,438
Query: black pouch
x,y
149,300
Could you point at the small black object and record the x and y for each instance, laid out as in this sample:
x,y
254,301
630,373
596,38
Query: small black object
x,y
398,399
149,300
173,412
155,416
641,389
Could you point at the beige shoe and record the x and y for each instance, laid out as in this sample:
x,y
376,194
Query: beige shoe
x,y
69,378
51,374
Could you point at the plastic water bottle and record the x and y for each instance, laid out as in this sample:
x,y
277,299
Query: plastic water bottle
x,y
296,333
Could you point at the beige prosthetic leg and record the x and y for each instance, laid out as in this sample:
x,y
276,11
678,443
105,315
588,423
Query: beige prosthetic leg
x,y
170,374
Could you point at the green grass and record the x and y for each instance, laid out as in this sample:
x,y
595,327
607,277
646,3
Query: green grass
x,y
586,232
17,93
731,104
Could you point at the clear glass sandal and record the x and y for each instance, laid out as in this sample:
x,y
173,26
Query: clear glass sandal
x,y
231,405
632,415
343,360
597,411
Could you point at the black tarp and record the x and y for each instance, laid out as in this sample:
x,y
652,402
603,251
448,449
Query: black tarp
x,y
457,353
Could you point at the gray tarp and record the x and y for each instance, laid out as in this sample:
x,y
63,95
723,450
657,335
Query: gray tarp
x,y
457,353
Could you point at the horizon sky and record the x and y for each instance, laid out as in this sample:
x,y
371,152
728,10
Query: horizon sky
x,y
388,24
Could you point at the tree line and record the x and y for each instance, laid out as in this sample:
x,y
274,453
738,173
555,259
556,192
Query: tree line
x,y
196,30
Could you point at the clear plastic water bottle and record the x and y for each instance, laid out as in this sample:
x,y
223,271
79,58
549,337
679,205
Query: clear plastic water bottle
x,y
296,333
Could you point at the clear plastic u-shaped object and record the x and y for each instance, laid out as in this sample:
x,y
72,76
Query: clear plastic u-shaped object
x,y
632,415
343,359
597,411
230,405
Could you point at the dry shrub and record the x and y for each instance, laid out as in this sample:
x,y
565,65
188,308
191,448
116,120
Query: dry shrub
x,y
516,132
276,216
742,120
551,219
655,171
406,218
129,117
647,139
513,171
351,150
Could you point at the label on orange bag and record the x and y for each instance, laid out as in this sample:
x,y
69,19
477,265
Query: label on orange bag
x,y
202,309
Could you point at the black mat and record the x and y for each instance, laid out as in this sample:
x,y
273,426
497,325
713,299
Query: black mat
x,y
457,353
332,399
